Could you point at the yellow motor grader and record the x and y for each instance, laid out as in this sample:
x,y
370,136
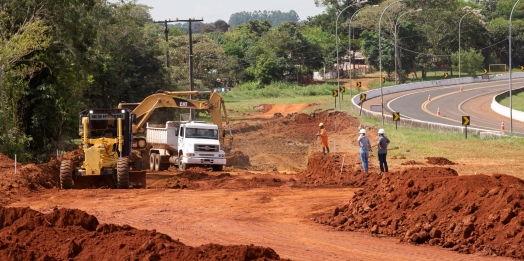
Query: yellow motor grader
x,y
107,146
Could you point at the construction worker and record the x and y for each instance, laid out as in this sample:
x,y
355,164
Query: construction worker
x,y
382,145
365,148
323,135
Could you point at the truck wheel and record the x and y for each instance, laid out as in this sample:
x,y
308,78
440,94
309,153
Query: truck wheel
x,y
152,159
181,165
218,167
66,175
122,172
157,162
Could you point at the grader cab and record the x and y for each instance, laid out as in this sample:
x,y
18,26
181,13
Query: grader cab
x,y
107,147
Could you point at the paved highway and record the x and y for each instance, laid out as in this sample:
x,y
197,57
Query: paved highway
x,y
474,100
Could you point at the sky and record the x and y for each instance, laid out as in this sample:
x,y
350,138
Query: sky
x,y
213,10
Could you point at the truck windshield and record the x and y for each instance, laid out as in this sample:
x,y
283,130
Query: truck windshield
x,y
202,133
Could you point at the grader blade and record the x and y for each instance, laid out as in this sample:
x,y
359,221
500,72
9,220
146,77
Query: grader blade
x,y
95,181
137,179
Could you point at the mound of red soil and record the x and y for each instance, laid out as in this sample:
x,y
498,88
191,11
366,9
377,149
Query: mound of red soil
x,y
470,214
66,234
411,162
439,161
325,169
236,158
28,177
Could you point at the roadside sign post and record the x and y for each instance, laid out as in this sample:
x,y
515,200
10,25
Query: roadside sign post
x,y
362,100
465,123
359,85
342,90
396,118
335,94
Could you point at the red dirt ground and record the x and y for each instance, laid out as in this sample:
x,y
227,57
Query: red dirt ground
x,y
277,186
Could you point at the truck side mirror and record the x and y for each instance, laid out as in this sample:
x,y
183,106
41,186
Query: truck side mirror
x,y
223,133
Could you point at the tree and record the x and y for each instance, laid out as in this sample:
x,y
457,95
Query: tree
x,y
265,69
20,37
371,51
324,42
275,17
209,62
471,61
221,26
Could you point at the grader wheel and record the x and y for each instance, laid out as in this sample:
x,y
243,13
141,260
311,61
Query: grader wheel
x,y
122,173
66,175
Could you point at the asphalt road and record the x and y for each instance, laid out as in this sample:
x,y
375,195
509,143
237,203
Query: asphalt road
x,y
474,100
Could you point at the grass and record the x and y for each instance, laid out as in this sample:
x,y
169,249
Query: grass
x,y
517,101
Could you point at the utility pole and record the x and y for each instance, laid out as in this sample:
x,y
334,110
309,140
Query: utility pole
x,y
166,32
189,21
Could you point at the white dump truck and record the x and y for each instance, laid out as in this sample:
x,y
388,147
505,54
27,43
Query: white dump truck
x,y
185,144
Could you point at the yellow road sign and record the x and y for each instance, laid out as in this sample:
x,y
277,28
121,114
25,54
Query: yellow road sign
x,y
342,89
485,71
396,116
335,93
522,68
362,96
446,75
465,120
359,84
383,79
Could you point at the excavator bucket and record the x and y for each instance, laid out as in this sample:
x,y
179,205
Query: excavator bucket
x,y
137,178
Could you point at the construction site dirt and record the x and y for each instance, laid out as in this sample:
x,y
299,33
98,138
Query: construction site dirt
x,y
279,198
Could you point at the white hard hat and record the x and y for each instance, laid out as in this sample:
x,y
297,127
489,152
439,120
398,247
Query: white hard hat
x,y
363,131
381,131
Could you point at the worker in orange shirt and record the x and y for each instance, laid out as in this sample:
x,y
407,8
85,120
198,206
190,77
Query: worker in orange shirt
x,y
323,135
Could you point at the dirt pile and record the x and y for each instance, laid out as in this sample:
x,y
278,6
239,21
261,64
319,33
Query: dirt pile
x,y
325,169
66,234
469,214
411,162
237,159
28,177
439,161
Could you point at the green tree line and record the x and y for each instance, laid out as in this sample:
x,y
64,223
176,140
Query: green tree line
x,y
58,58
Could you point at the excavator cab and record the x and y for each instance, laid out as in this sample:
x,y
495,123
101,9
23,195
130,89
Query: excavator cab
x,y
107,147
